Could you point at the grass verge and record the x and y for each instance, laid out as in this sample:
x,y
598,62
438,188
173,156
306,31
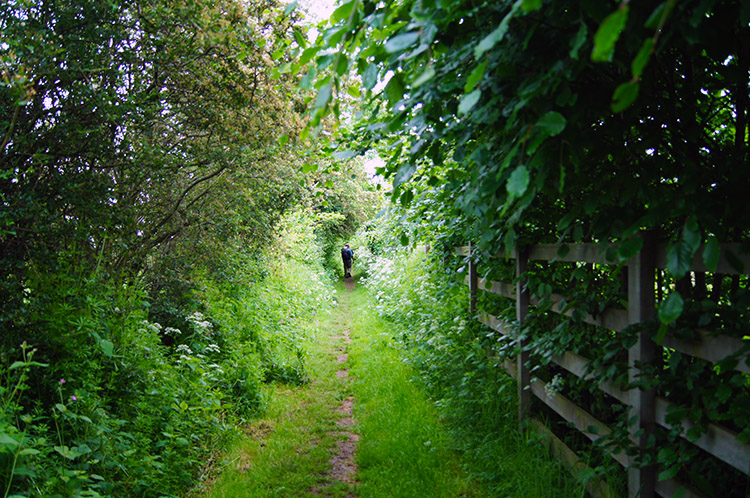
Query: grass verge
x,y
404,451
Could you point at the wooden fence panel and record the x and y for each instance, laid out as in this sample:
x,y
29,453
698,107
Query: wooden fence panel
x,y
643,291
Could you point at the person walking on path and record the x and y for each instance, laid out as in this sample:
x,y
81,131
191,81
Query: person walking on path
x,y
347,255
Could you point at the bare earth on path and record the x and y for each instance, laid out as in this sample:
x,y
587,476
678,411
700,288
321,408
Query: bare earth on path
x,y
343,464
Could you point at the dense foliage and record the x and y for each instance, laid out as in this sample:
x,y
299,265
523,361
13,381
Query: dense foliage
x,y
159,242
530,120
509,123
459,364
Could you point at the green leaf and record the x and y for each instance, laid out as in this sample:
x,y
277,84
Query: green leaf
x,y
475,77
498,34
353,91
6,439
370,76
400,42
691,235
711,253
607,35
423,78
301,41
531,5
671,308
629,248
306,83
578,41
404,173
404,239
324,96
283,139
107,347
290,8
308,55
66,452
518,181
679,259
343,12
551,124
468,101
342,64
669,473
641,60
625,94
394,90
344,154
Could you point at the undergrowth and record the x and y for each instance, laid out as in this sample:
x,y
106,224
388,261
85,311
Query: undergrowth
x,y
476,398
103,401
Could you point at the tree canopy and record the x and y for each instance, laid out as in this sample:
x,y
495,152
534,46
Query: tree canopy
x,y
529,120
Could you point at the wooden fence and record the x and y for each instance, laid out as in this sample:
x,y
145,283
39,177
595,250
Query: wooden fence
x,y
643,271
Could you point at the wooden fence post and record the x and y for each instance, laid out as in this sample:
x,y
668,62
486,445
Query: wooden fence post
x,y
522,309
642,482
473,282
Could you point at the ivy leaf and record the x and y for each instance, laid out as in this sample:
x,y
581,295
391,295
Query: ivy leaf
x,y
641,60
607,35
551,124
625,94
498,34
518,181
671,308
400,42
711,253
475,77
468,101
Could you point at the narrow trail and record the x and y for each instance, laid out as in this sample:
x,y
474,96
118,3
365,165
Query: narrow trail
x,y
361,428
343,461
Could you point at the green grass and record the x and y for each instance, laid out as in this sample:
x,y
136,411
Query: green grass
x,y
406,449
286,453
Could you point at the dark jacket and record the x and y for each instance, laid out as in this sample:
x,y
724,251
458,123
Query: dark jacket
x,y
347,254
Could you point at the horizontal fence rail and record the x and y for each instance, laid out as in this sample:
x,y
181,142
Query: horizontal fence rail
x,y
651,410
